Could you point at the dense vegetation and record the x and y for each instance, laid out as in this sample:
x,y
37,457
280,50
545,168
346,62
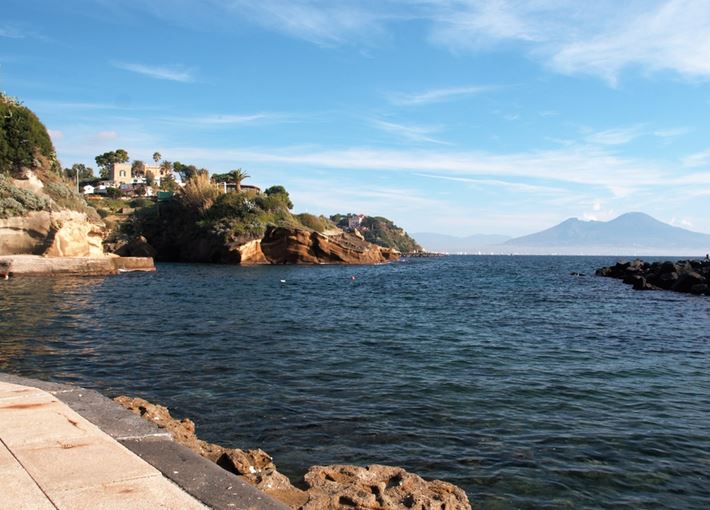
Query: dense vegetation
x,y
380,231
200,222
24,141
26,145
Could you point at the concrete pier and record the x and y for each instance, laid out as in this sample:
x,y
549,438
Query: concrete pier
x,y
64,447
16,265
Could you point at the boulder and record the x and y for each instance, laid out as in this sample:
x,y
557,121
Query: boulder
x,y
687,280
136,247
378,487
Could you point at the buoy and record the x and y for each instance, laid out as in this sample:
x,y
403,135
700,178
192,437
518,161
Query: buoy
x,y
353,278
283,281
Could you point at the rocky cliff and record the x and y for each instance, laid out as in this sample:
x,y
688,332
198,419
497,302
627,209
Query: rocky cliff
x,y
324,487
46,228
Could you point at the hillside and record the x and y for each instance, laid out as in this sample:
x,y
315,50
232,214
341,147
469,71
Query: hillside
x,y
631,232
40,213
379,231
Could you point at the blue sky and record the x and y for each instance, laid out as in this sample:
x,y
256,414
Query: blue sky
x,y
457,116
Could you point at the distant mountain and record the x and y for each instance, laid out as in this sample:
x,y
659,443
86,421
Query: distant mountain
x,y
451,244
630,233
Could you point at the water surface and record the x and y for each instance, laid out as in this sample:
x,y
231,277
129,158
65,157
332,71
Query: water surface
x,y
528,387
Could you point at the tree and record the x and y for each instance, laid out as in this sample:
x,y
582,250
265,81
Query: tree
x,y
187,171
138,168
167,183
139,190
114,193
281,193
84,172
238,176
166,167
157,157
149,180
106,161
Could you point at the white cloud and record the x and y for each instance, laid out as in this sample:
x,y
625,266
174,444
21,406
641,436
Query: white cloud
x,y
671,132
436,95
55,134
159,72
410,132
106,135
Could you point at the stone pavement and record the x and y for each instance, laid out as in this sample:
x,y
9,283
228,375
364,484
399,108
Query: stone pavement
x,y
53,457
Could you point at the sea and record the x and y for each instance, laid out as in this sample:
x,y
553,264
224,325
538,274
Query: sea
x,y
528,386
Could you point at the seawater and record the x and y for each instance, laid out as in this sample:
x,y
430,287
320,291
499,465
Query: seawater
x,y
527,386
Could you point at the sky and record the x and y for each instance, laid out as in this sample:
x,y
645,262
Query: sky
x,y
454,116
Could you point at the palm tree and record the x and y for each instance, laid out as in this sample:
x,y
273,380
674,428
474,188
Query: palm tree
x,y
238,176
157,157
166,167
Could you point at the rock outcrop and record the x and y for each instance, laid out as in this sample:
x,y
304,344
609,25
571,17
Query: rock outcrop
x,y
53,234
380,487
282,245
690,276
337,487
35,265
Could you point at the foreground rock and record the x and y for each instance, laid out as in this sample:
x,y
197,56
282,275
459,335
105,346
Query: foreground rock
x,y
689,276
326,487
379,487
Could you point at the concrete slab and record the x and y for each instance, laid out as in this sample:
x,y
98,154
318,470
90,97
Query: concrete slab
x,y
37,420
141,494
81,464
19,490
110,417
203,479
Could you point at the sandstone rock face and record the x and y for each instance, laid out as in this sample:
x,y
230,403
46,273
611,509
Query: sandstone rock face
x,y
378,487
690,276
336,487
54,234
282,245
249,253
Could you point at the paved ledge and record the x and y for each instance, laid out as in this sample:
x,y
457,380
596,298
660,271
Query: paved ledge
x,y
16,265
152,456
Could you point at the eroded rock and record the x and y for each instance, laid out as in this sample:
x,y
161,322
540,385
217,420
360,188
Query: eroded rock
x,y
378,487
337,487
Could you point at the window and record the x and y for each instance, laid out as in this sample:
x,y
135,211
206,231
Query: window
x,y
122,173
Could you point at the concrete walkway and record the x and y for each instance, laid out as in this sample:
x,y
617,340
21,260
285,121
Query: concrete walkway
x,y
67,447
53,458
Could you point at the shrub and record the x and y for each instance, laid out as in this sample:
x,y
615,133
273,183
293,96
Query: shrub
x,y
16,201
317,223
23,138
199,193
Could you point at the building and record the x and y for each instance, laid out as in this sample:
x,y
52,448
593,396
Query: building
x,y
229,187
88,189
355,221
121,173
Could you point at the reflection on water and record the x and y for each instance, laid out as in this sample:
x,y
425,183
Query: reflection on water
x,y
528,387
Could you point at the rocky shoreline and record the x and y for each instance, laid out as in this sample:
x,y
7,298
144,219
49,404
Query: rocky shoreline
x,y
36,265
323,487
688,276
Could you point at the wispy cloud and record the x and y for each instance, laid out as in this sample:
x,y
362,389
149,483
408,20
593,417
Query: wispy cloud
x,y
671,132
436,95
697,160
615,136
12,32
322,23
410,132
174,73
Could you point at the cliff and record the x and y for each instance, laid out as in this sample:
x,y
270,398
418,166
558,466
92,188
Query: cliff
x,y
202,224
379,231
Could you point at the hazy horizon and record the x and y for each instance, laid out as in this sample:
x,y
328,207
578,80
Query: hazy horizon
x,y
458,117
